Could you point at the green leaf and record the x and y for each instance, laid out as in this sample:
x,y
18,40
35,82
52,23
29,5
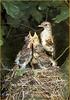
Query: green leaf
x,y
20,72
13,22
36,15
23,5
65,66
62,16
1,39
1,42
11,9
43,5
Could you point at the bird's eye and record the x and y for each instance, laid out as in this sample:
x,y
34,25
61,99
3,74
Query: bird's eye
x,y
45,25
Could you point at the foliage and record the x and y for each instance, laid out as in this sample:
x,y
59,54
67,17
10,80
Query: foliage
x,y
1,40
20,72
19,12
63,15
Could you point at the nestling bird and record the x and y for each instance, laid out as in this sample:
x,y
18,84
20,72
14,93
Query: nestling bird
x,y
25,55
47,37
39,54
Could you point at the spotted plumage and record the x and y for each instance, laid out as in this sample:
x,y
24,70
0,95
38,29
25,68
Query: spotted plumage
x,y
47,37
25,55
39,55
34,53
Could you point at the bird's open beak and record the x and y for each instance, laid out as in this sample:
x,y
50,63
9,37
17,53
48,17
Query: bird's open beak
x,y
40,26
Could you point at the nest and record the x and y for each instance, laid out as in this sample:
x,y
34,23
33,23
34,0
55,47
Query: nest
x,y
36,84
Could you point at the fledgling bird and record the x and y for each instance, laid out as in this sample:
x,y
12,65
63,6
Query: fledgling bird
x,y
25,55
47,37
39,54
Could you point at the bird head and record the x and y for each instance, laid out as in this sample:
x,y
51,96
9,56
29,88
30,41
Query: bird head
x,y
33,40
30,40
45,24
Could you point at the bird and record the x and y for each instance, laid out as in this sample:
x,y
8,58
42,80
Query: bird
x,y
33,53
47,39
39,54
25,54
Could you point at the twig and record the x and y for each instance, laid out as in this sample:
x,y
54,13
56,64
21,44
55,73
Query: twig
x,y
5,68
8,32
31,28
39,84
28,27
62,53
66,2
22,94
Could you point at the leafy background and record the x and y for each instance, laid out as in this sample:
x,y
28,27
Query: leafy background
x,y
18,17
